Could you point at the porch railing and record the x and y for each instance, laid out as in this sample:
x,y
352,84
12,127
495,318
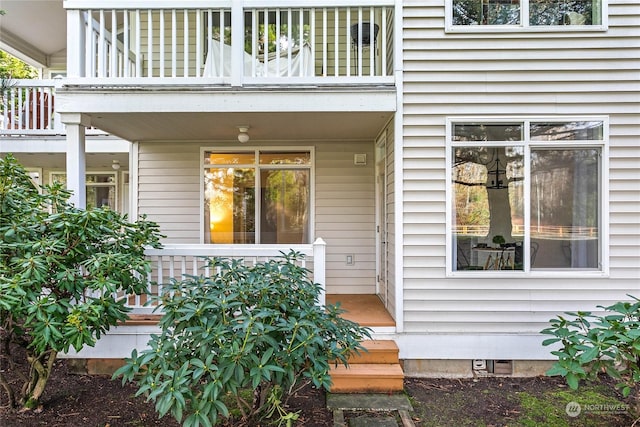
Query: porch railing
x,y
231,41
174,261
28,107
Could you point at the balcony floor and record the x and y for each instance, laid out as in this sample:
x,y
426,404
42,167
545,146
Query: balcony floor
x,y
364,309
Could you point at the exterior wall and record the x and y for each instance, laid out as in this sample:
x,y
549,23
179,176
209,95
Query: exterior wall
x,y
507,74
169,193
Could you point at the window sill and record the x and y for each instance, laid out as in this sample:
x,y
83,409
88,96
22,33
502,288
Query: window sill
x,y
539,274
515,29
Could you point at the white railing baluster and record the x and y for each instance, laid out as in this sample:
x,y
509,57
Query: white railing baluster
x,y
347,41
114,44
383,42
161,50
372,43
174,41
149,43
138,45
102,67
198,43
125,48
336,43
325,59
185,43
278,35
172,271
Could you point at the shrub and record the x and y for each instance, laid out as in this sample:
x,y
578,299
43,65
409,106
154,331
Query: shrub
x,y
592,344
60,274
258,328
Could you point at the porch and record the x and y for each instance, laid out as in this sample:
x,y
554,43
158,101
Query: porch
x,y
174,261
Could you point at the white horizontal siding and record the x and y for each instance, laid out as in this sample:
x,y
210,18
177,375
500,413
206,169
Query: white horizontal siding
x,y
500,74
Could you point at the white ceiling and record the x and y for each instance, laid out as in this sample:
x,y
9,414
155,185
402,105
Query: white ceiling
x,y
224,126
34,28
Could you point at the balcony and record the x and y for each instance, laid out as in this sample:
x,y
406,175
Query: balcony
x,y
28,107
230,43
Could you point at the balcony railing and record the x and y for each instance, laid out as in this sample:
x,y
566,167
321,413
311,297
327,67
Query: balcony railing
x,y
231,42
174,261
28,107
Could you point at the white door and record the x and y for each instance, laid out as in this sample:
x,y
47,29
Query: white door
x,y
381,219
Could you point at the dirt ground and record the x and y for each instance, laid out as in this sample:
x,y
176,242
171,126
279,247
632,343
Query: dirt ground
x,y
96,401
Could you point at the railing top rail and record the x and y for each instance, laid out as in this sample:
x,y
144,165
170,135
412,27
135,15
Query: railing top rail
x,y
228,250
216,4
31,83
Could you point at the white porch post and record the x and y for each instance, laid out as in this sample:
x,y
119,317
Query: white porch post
x,y
76,32
237,43
319,267
76,162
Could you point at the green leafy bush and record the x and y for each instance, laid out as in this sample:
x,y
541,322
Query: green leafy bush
x,y
60,274
246,327
592,344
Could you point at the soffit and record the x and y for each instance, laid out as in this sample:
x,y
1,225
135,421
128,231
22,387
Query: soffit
x,y
264,126
34,24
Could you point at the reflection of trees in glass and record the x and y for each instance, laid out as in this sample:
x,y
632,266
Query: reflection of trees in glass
x,y
541,12
487,132
564,189
486,12
230,204
567,131
560,12
483,210
285,203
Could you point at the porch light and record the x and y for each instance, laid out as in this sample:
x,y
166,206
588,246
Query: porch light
x,y
243,135
115,165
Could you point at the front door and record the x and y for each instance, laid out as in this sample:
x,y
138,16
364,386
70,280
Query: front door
x,y
381,219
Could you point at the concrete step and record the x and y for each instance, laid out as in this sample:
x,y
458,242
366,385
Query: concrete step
x,y
367,378
378,351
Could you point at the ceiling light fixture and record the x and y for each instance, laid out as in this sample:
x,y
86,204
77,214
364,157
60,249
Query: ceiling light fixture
x,y
243,135
115,165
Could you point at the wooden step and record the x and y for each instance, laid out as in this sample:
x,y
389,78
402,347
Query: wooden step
x,y
367,378
377,351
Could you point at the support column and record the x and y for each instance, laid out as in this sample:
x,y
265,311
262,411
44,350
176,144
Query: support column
x,y
76,162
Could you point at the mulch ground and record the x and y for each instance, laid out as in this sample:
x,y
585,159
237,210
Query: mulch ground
x,y
97,401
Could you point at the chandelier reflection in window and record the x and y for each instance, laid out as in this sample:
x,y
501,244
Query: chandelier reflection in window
x,y
496,173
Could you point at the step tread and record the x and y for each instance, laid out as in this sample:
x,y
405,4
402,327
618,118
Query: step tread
x,y
376,351
376,345
368,369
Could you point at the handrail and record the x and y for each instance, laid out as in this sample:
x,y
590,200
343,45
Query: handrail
x,y
173,261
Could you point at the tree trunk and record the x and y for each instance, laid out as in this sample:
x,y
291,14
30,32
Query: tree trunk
x,y
41,367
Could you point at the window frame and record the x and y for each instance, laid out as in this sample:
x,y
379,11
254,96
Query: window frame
x,y
258,167
115,183
528,145
524,23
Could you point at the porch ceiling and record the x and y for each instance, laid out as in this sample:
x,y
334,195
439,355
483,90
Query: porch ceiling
x,y
224,126
34,29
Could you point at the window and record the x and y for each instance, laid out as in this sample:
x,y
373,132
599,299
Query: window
x,y
525,195
101,188
257,197
526,13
